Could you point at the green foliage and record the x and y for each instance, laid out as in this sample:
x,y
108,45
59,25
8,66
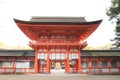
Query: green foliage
x,y
114,14
114,10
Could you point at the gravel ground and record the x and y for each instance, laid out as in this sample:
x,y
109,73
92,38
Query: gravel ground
x,y
59,77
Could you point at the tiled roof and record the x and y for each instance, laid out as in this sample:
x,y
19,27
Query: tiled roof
x,y
84,53
100,53
17,53
57,19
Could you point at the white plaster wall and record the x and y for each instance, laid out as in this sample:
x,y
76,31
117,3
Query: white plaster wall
x,y
105,70
114,70
85,70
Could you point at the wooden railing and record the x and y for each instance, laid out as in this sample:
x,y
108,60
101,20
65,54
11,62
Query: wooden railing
x,y
54,42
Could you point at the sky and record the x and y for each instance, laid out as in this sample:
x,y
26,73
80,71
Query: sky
x,y
92,10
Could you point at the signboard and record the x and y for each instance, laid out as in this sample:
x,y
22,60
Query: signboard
x,y
53,56
73,56
57,56
42,56
63,56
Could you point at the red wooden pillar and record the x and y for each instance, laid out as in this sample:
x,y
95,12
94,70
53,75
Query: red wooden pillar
x,y
36,62
48,61
14,65
79,63
65,66
119,65
99,63
90,65
67,62
109,65
76,67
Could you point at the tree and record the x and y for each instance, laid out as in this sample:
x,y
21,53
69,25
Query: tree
x,y
114,14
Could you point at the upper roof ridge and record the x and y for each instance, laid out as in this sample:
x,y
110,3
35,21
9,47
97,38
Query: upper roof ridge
x,y
57,19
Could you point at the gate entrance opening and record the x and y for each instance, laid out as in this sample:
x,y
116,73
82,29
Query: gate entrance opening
x,y
57,67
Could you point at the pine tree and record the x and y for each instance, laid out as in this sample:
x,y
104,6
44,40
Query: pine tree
x,y
114,14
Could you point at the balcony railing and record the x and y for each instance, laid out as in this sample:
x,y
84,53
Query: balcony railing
x,y
54,42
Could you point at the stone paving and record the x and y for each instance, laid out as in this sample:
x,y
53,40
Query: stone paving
x,y
59,77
